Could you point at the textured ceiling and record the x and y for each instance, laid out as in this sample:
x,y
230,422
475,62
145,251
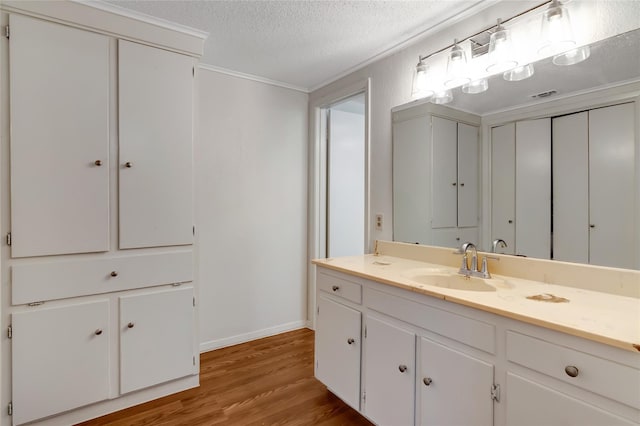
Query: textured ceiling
x,y
302,43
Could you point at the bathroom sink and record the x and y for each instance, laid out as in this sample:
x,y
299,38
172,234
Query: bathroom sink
x,y
455,282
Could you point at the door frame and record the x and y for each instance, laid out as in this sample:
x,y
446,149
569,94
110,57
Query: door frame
x,y
317,201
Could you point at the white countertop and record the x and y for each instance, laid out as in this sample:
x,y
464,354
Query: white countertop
x,y
606,318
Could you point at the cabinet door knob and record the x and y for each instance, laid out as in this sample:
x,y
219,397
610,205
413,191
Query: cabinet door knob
x,y
427,381
402,368
592,225
128,164
462,184
510,221
335,288
114,273
98,332
454,184
350,341
571,370
130,325
98,163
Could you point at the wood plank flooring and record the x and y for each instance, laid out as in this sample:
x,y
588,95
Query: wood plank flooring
x,y
264,382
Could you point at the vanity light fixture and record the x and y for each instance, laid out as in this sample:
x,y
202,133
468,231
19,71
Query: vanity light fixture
x,y
476,86
519,73
501,55
557,34
456,67
442,97
420,83
573,56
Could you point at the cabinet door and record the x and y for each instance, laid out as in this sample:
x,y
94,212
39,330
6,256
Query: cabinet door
x,y
468,158
453,237
611,186
551,408
156,104
533,188
447,376
411,174
59,100
156,338
389,373
571,188
444,174
338,347
60,359
503,187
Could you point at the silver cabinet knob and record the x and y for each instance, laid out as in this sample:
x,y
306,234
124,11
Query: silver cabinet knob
x,y
335,288
128,164
427,381
98,163
402,368
130,325
350,341
114,273
98,332
571,370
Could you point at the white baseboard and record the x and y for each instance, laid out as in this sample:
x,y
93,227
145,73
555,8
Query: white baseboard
x,y
253,335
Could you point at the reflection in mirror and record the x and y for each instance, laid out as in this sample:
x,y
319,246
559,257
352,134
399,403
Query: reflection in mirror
x,y
562,167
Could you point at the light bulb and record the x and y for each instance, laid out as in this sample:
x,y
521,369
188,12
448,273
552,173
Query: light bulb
x,y
420,83
556,31
501,57
456,67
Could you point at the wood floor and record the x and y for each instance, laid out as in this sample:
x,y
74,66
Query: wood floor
x,y
264,382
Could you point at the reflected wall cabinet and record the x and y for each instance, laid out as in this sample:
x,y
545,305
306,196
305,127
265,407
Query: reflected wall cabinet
x,y
100,160
435,176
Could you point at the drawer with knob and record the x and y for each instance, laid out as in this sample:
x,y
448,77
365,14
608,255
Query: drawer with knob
x,y
340,287
598,375
41,281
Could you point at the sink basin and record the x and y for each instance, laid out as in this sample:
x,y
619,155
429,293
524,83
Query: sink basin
x,y
455,282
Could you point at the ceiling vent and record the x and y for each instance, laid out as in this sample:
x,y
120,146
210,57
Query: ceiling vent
x,y
544,94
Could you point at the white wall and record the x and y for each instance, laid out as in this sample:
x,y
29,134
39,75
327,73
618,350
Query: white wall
x,y
251,208
391,84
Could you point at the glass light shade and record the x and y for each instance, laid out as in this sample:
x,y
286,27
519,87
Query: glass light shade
x,y
556,31
442,97
573,56
419,88
519,73
501,56
476,86
456,67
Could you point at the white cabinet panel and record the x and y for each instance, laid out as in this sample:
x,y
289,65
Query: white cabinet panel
x,y
503,188
338,348
389,373
156,338
467,175
155,109
532,404
453,237
59,104
58,346
533,188
612,186
411,174
444,173
571,188
447,375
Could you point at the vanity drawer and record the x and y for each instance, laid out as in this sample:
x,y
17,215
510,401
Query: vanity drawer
x,y
340,287
601,376
34,282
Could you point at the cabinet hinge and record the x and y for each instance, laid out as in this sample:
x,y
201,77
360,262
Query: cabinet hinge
x,y
10,331
8,238
365,331
318,309
193,71
194,301
6,31
495,393
32,304
194,230
364,396
194,360
10,409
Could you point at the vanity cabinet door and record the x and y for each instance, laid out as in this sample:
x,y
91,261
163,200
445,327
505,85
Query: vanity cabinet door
x,y
338,347
156,338
59,105
389,373
60,359
532,404
449,378
155,146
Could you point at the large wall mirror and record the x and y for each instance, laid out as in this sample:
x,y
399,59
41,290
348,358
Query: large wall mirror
x,y
553,162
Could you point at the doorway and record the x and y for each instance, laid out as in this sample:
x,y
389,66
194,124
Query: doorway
x,y
345,177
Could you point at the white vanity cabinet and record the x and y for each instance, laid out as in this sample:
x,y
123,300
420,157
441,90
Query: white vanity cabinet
x,y
59,168
55,346
447,375
338,337
389,372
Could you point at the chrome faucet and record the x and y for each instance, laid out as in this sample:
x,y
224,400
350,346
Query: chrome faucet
x,y
498,242
473,270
